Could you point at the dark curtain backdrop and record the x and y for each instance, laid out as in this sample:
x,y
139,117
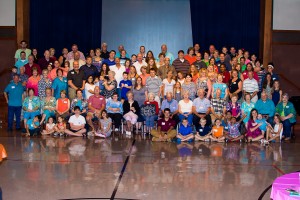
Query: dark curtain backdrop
x,y
60,23
226,23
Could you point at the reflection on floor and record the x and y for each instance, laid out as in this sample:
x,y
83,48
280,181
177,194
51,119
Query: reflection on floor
x,y
66,168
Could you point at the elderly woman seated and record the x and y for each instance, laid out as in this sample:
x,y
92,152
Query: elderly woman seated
x,y
287,113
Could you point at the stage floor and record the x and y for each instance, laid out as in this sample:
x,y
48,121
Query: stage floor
x,y
136,168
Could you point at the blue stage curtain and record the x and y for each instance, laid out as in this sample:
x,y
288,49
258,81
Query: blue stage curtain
x,y
59,24
226,23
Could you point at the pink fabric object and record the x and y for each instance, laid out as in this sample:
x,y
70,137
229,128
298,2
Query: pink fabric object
x,y
287,181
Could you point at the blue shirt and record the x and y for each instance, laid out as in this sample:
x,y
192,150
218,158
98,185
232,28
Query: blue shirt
x,y
263,126
14,92
59,85
113,104
203,131
185,130
20,63
124,90
89,71
108,62
265,107
222,87
202,105
118,55
30,124
172,105
225,125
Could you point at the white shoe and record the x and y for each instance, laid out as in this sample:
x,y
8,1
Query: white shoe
x,y
100,135
116,129
90,133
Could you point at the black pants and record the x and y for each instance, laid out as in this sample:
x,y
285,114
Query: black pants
x,y
116,118
196,120
35,131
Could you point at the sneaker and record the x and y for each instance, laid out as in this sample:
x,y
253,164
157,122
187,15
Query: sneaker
x,y
100,135
128,133
61,134
55,134
262,140
116,129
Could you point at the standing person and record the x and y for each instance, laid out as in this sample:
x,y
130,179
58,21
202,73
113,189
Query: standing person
x,y
13,94
30,65
45,61
77,59
164,50
163,69
235,85
139,91
104,51
97,60
161,60
165,128
89,87
199,63
181,64
23,47
125,86
63,56
110,85
89,69
246,107
59,83
218,106
168,84
185,108
43,84
250,86
144,75
224,73
35,55
204,82
48,104
71,54
22,61
276,93
189,86
190,55
111,59
75,80
118,69
139,63
153,84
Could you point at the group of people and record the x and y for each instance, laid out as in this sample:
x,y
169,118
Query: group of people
x,y
224,96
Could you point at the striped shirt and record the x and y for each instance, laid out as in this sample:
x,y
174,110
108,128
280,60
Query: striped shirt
x,y
153,84
250,85
218,105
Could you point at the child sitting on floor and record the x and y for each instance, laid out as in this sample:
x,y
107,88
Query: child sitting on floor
x,y
263,122
233,130
33,126
60,127
105,128
185,132
217,132
50,127
203,132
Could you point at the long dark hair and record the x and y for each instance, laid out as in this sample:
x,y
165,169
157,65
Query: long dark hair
x,y
265,83
251,117
102,72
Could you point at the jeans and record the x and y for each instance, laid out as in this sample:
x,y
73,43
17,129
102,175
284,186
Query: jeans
x,y
287,128
48,114
14,111
189,118
150,120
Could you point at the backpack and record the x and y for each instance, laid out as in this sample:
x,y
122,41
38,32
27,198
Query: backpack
x,y
148,110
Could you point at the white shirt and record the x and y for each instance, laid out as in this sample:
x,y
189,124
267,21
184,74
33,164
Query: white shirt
x,y
168,87
250,85
77,121
138,66
88,87
185,107
81,62
118,72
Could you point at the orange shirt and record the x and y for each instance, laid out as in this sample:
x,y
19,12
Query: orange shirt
x,y
217,132
144,78
62,104
191,59
3,153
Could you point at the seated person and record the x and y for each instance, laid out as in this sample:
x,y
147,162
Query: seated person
x,y
77,123
234,107
131,112
253,128
263,122
150,111
125,85
276,132
165,128
185,108
203,131
185,131
33,126
226,120
217,132
233,130
105,127
60,126
62,105
115,111
50,127
171,104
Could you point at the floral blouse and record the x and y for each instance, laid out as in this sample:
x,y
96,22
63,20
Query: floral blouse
x,y
234,109
82,103
48,104
35,102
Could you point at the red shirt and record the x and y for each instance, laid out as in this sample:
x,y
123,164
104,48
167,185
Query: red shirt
x,y
165,125
96,102
28,69
190,59
226,76
154,103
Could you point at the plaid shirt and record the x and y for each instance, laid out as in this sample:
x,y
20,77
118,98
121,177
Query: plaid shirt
x,y
218,105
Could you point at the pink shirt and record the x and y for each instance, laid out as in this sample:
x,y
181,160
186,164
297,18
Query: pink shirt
x,y
96,102
33,83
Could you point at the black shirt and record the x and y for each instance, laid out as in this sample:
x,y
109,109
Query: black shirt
x,y
104,55
89,71
76,78
234,86
200,64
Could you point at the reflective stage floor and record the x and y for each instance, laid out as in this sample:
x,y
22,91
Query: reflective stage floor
x,y
136,168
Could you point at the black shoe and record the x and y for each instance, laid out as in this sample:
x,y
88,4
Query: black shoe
x,y
18,129
9,130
